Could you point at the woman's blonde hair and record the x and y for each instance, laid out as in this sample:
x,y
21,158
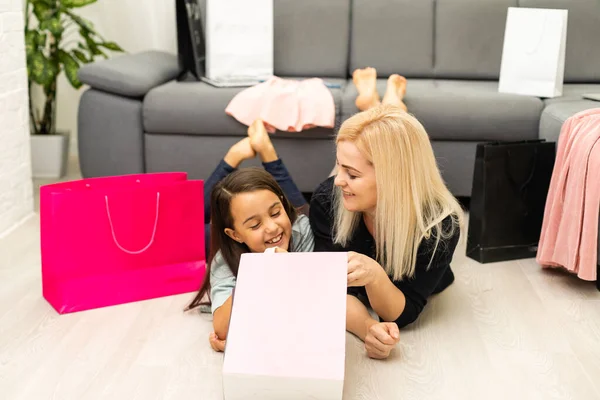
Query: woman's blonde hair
x,y
412,198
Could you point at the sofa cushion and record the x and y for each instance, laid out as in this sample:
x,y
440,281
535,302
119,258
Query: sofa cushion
x,y
131,75
311,38
574,92
199,108
469,36
582,61
464,110
393,37
555,114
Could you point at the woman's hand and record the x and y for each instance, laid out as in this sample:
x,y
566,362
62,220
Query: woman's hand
x,y
216,343
381,339
362,270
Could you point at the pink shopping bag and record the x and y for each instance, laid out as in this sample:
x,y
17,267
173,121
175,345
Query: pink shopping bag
x,y
115,240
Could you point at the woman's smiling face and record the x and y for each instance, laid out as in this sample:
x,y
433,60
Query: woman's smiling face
x,y
356,178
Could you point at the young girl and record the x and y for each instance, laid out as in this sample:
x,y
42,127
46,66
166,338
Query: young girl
x,y
249,213
257,142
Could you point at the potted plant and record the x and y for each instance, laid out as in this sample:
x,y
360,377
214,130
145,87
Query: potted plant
x,y
57,40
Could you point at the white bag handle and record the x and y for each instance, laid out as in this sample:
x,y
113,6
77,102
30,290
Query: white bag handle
x,y
112,229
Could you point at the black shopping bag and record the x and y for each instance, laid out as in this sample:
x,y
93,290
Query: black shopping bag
x,y
510,186
191,44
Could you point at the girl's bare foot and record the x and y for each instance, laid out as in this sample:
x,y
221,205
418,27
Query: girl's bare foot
x,y
396,89
239,152
365,81
261,142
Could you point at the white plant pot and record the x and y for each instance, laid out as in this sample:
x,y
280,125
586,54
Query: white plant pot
x,y
49,155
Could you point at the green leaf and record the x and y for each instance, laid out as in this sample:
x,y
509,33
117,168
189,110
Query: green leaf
x,y
77,3
43,11
53,25
41,39
88,52
93,47
31,42
80,56
83,23
111,46
71,67
91,44
42,71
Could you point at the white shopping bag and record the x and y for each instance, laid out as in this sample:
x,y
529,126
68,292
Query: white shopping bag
x,y
533,57
239,40
287,333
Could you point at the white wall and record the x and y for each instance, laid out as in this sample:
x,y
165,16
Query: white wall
x,y
136,25
16,190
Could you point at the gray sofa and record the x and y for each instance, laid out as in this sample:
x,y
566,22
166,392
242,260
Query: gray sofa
x,y
136,117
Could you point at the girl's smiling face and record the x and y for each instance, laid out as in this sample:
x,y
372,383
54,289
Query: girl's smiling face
x,y
260,221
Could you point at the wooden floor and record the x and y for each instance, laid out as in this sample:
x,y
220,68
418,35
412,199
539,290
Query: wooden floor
x,y
501,331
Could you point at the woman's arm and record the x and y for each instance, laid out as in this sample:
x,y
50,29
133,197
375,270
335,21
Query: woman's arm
x,y
403,301
358,319
386,299
380,338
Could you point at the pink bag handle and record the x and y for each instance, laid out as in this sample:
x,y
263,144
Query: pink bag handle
x,y
112,229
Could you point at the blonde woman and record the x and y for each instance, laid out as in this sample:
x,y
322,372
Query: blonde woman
x,y
390,209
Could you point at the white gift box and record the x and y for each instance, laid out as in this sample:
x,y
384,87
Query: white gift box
x,y
287,333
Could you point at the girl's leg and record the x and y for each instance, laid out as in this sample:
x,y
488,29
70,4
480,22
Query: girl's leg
x,y
237,153
261,143
278,170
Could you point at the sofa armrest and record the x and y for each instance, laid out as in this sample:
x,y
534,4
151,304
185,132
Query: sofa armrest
x,y
131,75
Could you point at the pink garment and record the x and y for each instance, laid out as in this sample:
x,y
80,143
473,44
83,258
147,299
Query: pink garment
x,y
570,229
287,105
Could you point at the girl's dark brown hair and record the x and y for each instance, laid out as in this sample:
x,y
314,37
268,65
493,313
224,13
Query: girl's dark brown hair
x,y
241,181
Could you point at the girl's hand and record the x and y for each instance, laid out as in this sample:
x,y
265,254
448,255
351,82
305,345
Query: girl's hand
x,y
381,339
216,343
362,270
275,250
